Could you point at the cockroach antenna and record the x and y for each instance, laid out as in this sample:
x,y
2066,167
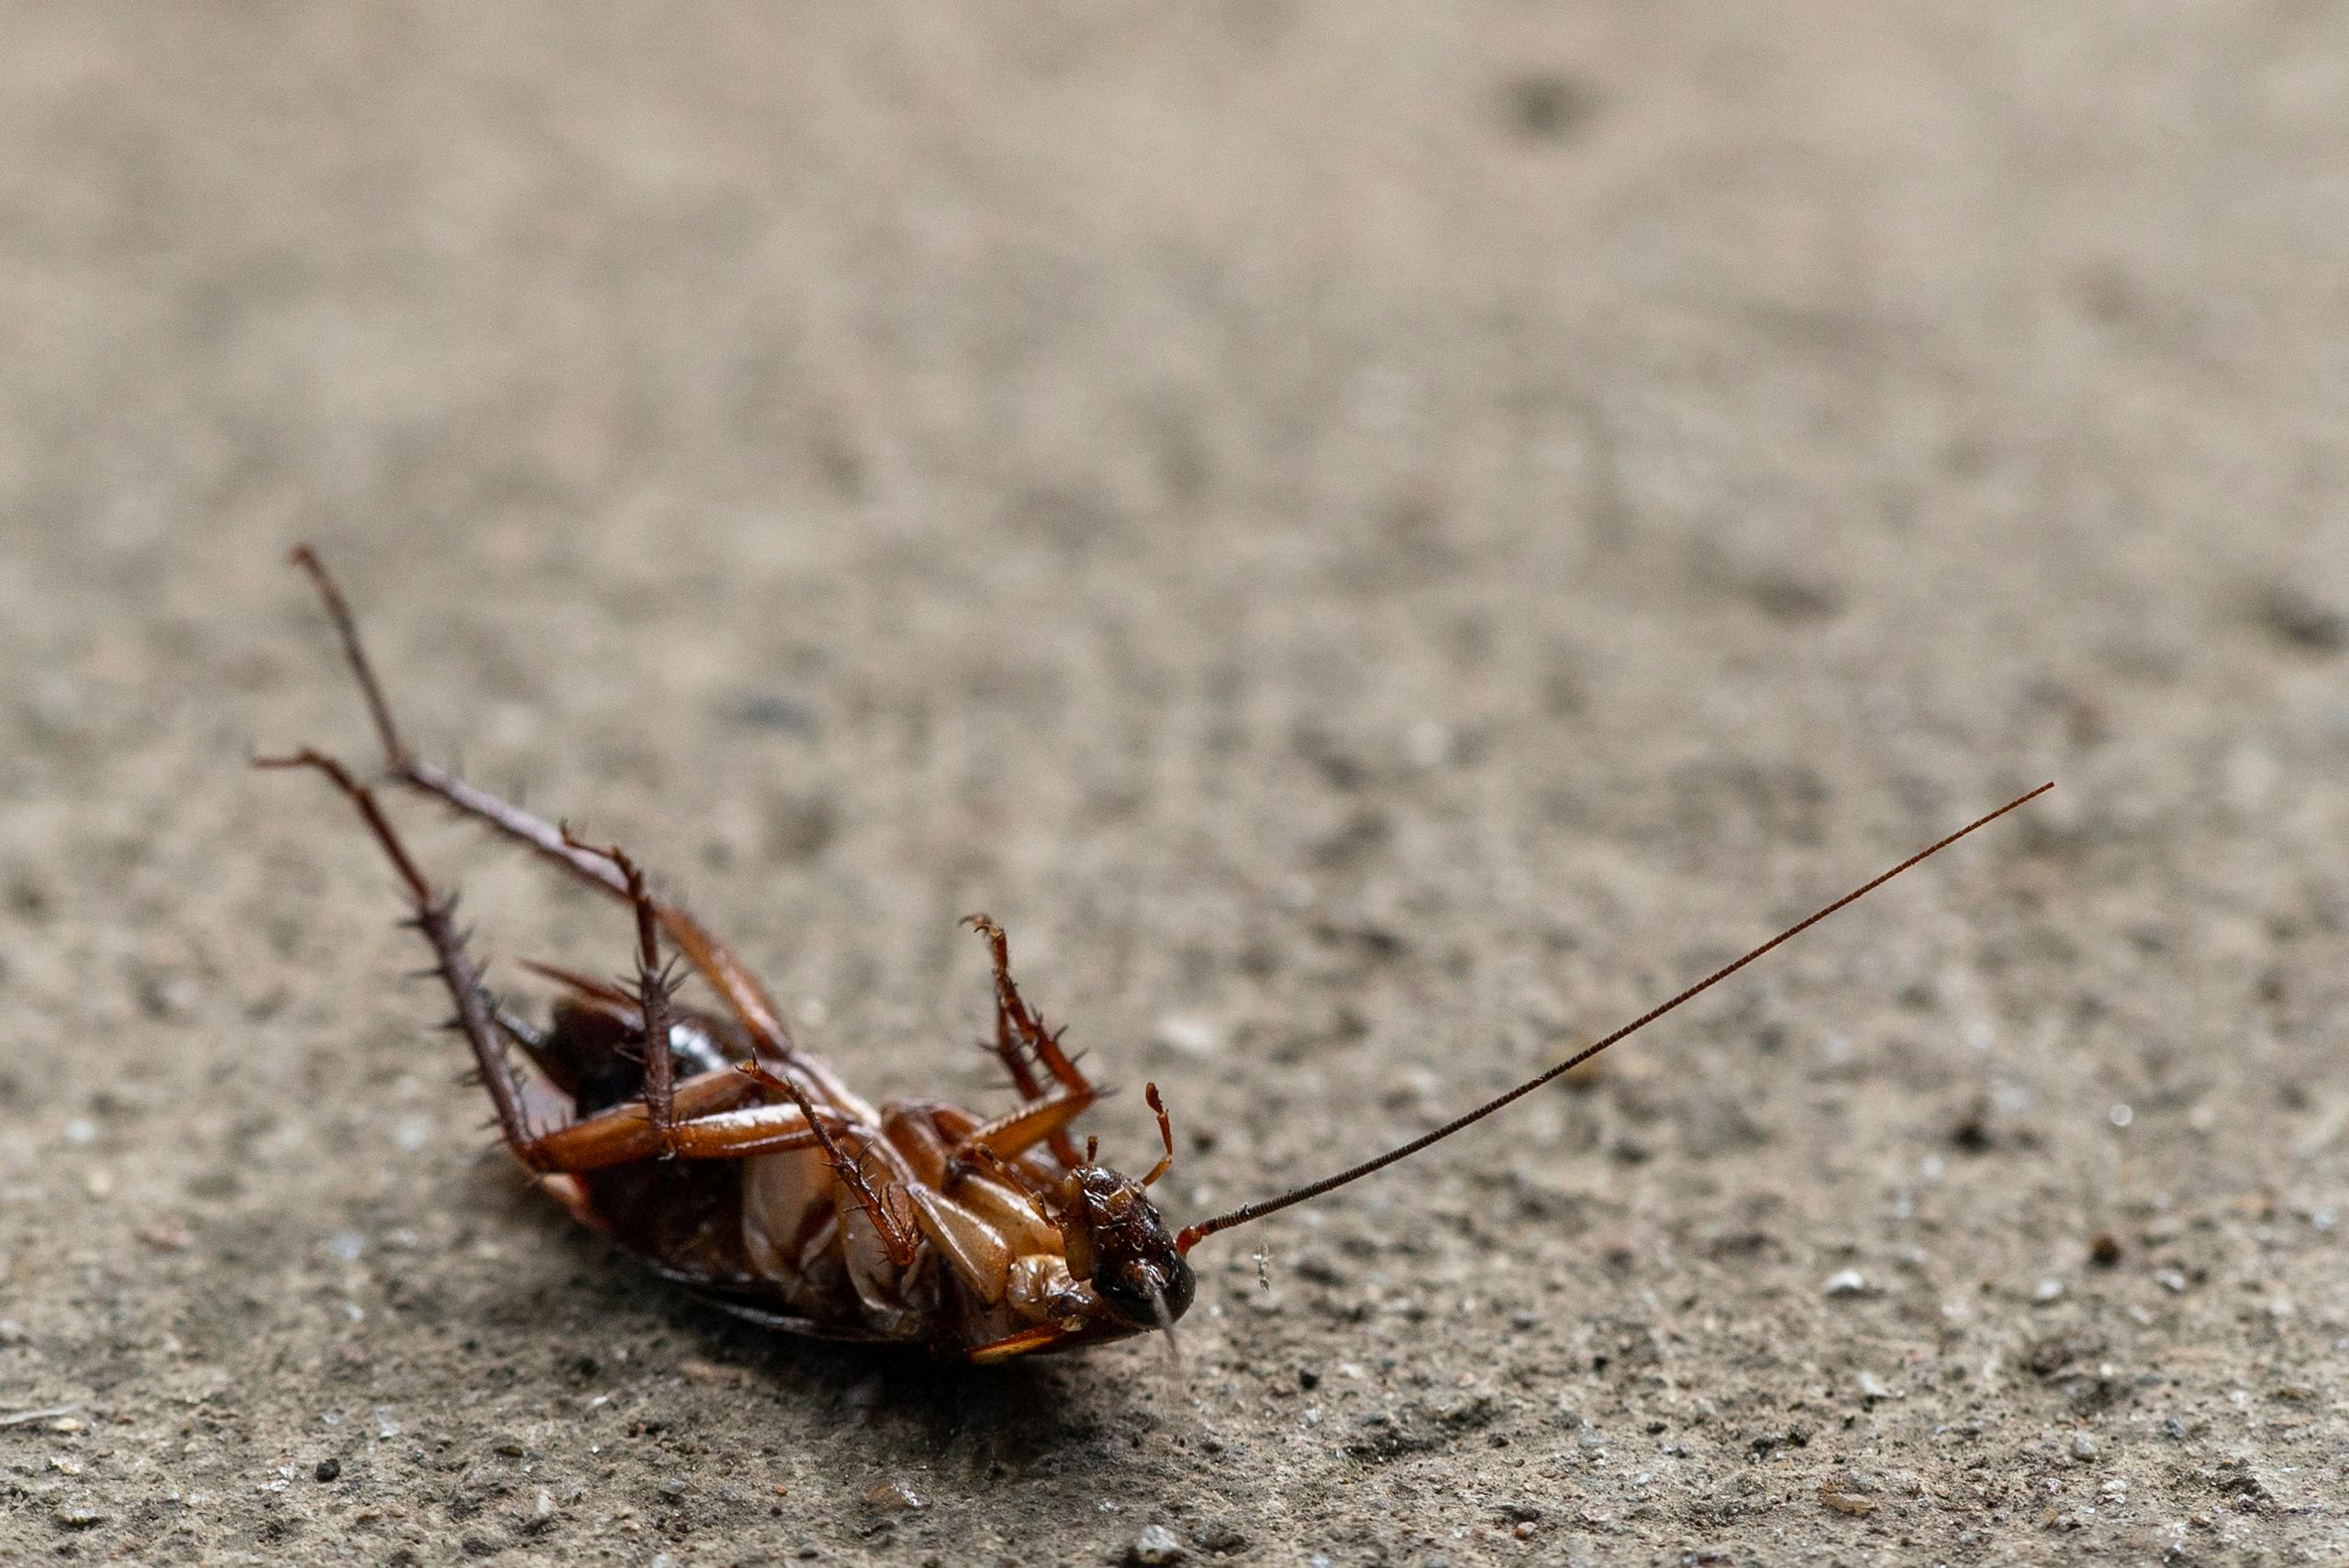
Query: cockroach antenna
x,y
1192,1235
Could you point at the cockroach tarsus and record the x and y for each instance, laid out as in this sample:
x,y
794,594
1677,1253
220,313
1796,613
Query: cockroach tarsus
x,y
726,1157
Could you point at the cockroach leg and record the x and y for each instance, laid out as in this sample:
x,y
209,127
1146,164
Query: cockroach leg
x,y
1014,1133
652,996
1019,1180
710,958
457,971
1021,1036
1028,1341
614,1137
625,1134
586,985
848,1168
1043,1043
1014,1057
1166,1135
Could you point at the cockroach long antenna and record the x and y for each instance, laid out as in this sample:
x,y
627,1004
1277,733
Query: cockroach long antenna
x,y
1192,1235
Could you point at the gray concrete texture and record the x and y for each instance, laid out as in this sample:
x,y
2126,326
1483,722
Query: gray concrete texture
x,y
1378,539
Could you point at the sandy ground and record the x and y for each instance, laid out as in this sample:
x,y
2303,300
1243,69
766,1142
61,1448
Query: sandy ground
x,y
1378,539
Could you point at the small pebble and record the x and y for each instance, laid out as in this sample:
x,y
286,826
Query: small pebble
x,y
1156,1543
2083,1446
1873,1387
2048,1290
13,1332
80,1518
1847,1502
329,1470
896,1495
1846,1282
1188,1036
2104,1251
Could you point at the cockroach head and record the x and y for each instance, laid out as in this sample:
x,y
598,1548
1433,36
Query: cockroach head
x,y
1116,1242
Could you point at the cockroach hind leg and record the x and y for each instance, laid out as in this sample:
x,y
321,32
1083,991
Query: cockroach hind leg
x,y
431,916
709,957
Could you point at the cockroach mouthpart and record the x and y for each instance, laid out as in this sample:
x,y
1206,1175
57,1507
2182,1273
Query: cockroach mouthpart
x,y
712,1146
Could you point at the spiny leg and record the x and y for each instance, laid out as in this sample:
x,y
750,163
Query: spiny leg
x,y
457,971
848,1168
1020,1035
652,997
709,957
708,1119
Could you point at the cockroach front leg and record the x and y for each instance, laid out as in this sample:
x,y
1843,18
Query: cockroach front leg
x,y
1022,1040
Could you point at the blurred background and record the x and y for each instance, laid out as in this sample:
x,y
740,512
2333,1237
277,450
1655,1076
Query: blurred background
x,y
1378,539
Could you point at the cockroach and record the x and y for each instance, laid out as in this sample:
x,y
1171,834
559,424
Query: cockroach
x,y
715,1148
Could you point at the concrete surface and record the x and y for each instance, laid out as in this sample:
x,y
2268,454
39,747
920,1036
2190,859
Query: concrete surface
x,y
1377,538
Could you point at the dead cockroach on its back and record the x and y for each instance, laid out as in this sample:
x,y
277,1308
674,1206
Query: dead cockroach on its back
x,y
715,1148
